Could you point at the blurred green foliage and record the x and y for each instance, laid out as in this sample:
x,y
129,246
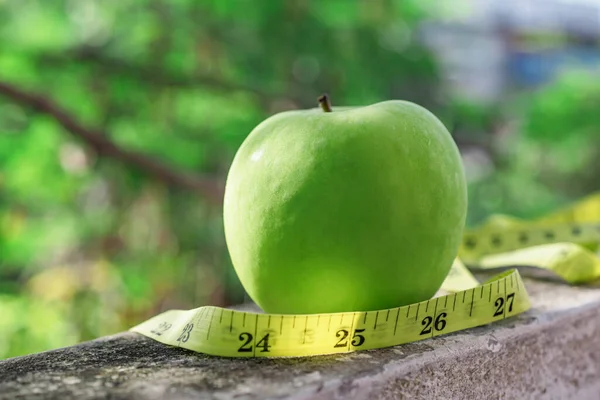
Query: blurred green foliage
x,y
90,246
546,152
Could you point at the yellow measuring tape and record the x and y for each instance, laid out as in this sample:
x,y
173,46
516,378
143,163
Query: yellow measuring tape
x,y
563,244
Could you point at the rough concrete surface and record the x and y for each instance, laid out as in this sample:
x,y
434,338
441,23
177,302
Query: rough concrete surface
x,y
550,352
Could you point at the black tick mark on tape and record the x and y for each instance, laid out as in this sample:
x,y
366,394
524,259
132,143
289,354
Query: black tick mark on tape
x,y
496,241
470,243
523,238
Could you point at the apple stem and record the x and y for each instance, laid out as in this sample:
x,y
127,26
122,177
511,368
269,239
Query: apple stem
x,y
325,103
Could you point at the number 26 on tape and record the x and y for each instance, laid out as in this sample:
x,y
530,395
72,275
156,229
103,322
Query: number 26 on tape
x,y
439,325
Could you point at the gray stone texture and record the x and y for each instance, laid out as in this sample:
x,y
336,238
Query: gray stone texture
x,y
550,352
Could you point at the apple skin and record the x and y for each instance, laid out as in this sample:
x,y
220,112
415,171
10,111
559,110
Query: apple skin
x,y
357,209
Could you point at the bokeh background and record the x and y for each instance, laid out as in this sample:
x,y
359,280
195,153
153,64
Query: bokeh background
x,y
119,120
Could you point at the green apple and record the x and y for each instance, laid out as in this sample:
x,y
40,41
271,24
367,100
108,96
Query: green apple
x,y
351,209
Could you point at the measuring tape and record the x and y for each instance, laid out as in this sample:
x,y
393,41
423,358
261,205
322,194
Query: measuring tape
x,y
562,244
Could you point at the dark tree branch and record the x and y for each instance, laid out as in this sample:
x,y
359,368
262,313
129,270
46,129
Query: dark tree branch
x,y
210,188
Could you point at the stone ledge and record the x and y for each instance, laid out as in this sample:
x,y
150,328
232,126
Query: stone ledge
x,y
552,351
